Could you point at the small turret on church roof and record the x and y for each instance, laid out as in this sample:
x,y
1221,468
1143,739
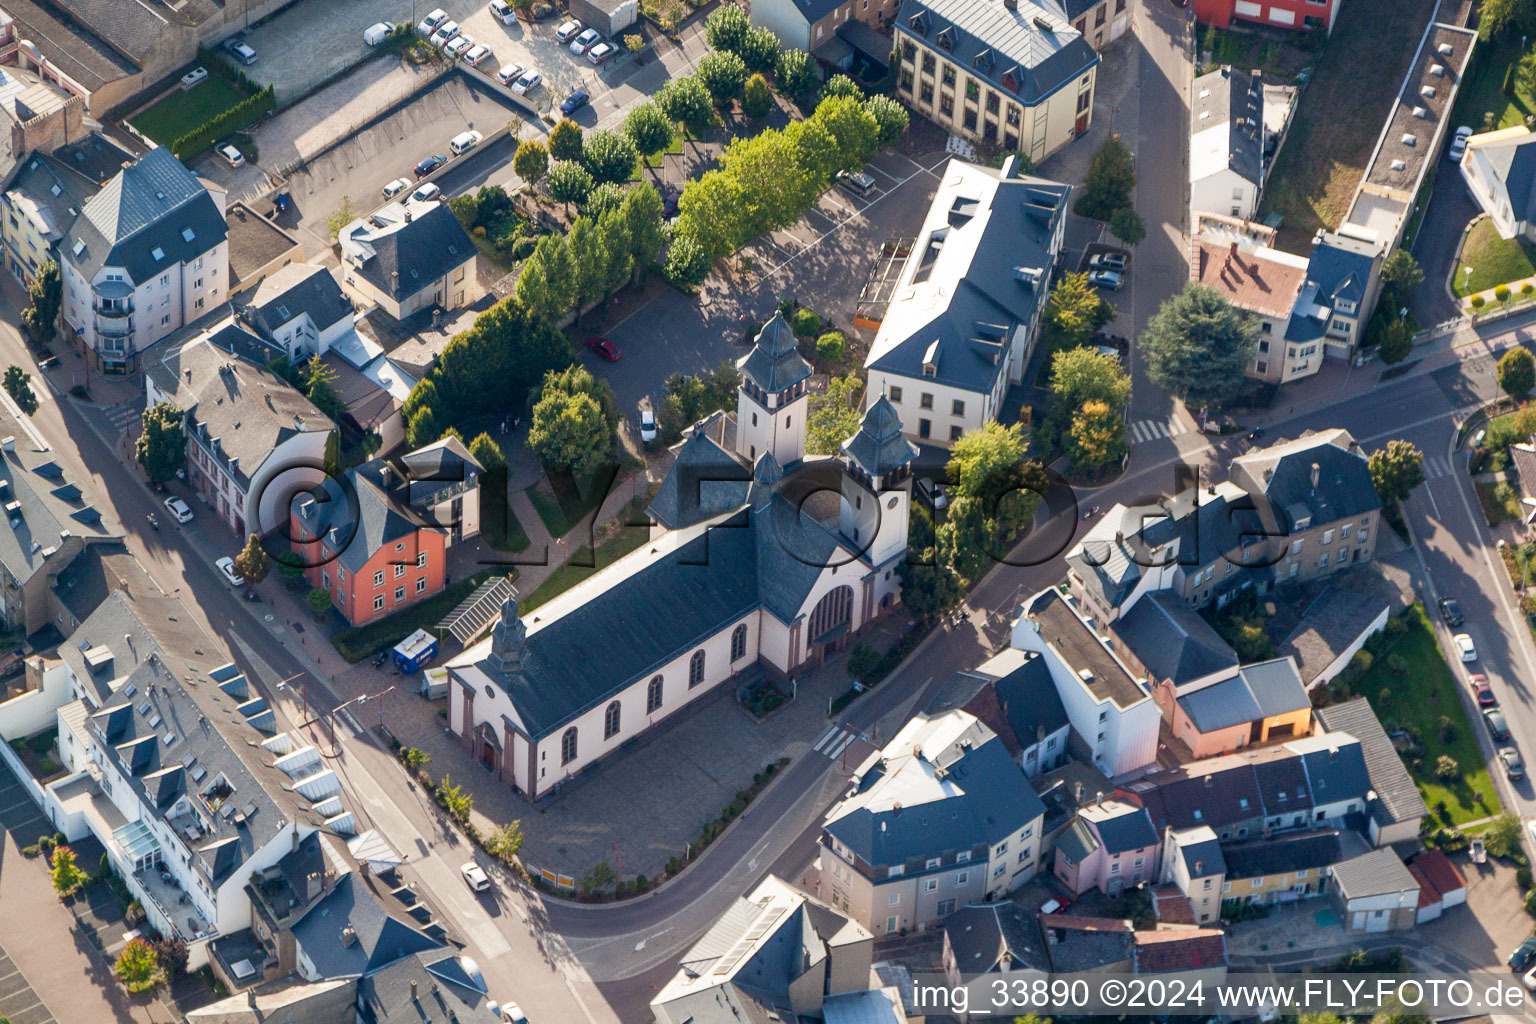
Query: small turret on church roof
x,y
766,475
775,363
508,641
878,448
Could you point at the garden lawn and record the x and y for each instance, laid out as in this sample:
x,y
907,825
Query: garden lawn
x,y
1417,700
1482,91
563,501
1248,51
1494,260
1340,116
582,564
361,642
182,110
1500,502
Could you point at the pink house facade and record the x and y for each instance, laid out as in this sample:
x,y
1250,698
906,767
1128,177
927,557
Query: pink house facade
x,y
1111,846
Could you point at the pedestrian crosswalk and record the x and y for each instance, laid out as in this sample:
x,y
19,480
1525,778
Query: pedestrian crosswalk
x,y
122,415
1437,466
836,740
1151,430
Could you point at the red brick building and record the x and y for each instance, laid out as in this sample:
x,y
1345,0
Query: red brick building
x,y
1297,14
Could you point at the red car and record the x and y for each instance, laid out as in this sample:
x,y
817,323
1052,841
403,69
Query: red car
x,y
1481,690
605,348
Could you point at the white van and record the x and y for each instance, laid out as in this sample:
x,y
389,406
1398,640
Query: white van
x,y
376,34
464,142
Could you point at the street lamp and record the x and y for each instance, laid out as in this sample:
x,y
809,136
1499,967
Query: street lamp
x,y
561,541
359,699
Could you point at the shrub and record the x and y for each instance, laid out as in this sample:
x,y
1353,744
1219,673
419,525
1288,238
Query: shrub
x,y
832,346
1478,302
1502,293
806,323
1523,878
1446,768
1529,903
138,967
1446,729
1396,664
236,117
1395,628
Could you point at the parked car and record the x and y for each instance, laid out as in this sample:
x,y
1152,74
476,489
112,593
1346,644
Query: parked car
x,y
574,102
1523,956
584,42
1497,727
1478,851
232,156
1054,906
933,493
1513,766
458,46
568,31
647,426
178,509
601,52
503,12
1481,690
395,187
430,164
475,876
1109,261
430,23
1529,981
446,33
194,76
527,82
376,33
426,193
477,55
1459,143
511,1013
464,142
241,52
1464,645
1530,827
1110,279
509,73
857,182
1450,611
226,567
605,348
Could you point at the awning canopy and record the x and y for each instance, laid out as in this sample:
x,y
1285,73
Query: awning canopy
x,y
372,847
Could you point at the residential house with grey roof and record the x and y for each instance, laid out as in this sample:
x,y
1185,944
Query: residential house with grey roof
x,y
435,984
747,580
1014,75
1287,867
408,257
1013,695
939,818
179,770
1108,704
1396,807
1192,860
1100,22
300,308
1260,703
966,308
1499,168
1353,607
774,954
1088,944
1342,285
253,441
1111,846
1237,124
148,254
1375,892
991,938
832,30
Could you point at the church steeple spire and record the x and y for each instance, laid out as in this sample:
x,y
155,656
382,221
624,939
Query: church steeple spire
x,y
508,641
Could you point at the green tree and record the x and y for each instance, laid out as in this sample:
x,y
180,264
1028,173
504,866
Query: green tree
x,y
833,416
589,258
1109,183
992,467
617,257
1197,346
842,85
605,198
487,452
644,227
756,96
253,562
1073,312
891,119
832,346
723,74
18,384
45,296
1517,372
1125,224
1503,835
573,422
1495,17
415,759
855,129
1400,275
507,351
727,28
689,399
319,601
775,186
599,878
929,590
320,388
686,101
531,161
1097,437
565,141
760,52
138,968
568,183
1081,375
1396,470
1392,337
537,288
161,447
344,214
799,76
688,262
967,539
455,801
422,428
505,841
817,150
609,156
67,876
715,211
649,128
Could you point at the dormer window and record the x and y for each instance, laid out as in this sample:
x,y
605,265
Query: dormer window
x,y
918,23
983,60
1010,81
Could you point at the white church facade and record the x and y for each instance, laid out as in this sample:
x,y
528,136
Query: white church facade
x,y
760,556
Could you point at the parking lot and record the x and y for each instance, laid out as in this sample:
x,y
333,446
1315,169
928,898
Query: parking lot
x,y
823,260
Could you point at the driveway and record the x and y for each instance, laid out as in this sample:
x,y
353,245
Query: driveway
x,y
1439,239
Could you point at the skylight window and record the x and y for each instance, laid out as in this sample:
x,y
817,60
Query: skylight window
x,y
56,190
188,234
158,253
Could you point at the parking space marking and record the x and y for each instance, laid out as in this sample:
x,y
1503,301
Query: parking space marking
x,y
872,166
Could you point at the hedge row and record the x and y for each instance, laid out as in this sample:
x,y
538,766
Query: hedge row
x,y
233,119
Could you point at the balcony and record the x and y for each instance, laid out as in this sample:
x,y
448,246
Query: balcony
x,y
112,307
114,326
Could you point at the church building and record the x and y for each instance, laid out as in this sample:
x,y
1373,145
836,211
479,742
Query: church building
x,y
760,556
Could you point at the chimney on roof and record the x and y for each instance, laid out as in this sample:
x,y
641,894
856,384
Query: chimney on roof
x,y
1077,792
1209,781
1099,800
407,216
1199,865
413,990
1012,5
1316,470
